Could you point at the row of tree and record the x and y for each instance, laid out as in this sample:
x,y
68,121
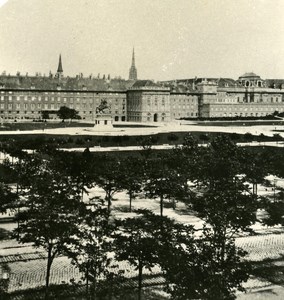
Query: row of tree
x,y
212,181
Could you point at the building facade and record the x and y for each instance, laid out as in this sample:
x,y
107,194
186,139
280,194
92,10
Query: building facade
x,y
249,96
148,102
35,103
38,97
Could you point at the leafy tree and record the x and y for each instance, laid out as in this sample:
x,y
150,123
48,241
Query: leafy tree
x,y
146,144
53,211
148,240
67,113
78,166
132,179
274,210
108,176
45,114
227,207
221,162
202,274
184,161
90,250
134,242
255,166
161,181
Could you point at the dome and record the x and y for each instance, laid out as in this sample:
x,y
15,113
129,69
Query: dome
x,y
250,75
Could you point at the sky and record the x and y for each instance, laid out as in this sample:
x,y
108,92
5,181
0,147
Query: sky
x,y
173,39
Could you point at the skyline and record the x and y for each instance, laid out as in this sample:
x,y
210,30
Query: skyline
x,y
172,39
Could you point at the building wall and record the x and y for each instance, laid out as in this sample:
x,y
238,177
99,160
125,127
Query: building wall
x,y
241,102
183,106
144,104
148,105
29,104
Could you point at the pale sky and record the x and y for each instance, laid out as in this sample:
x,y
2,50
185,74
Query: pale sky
x,y
173,39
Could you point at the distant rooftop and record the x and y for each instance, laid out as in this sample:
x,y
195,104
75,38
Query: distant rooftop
x,y
64,83
249,75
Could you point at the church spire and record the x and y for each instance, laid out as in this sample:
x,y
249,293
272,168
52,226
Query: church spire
x,y
133,58
133,70
60,69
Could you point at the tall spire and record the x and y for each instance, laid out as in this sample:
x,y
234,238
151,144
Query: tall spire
x,y
133,70
60,69
133,58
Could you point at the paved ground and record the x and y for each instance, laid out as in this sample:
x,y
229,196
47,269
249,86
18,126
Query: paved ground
x,y
186,126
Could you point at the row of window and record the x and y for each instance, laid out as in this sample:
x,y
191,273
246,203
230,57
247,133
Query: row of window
x,y
256,114
59,99
94,94
236,108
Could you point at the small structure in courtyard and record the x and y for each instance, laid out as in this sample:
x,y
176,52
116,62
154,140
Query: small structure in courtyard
x,y
103,118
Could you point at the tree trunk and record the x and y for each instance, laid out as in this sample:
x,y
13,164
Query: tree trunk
x,y
108,201
140,269
87,282
130,201
49,263
161,205
174,204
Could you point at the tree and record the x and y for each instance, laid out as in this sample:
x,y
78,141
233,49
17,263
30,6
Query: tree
x,y
90,250
184,161
67,113
274,210
221,162
78,166
162,181
197,272
132,179
227,207
53,211
108,176
135,242
255,166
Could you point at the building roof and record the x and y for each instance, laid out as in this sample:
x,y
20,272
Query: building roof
x,y
274,83
145,83
249,75
228,82
65,83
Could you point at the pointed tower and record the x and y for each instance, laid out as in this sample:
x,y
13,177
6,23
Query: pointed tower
x,y
133,70
59,72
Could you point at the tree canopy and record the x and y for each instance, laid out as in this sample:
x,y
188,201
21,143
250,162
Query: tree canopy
x,y
67,113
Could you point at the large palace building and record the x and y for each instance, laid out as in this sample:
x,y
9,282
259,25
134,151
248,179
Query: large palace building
x,y
37,97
